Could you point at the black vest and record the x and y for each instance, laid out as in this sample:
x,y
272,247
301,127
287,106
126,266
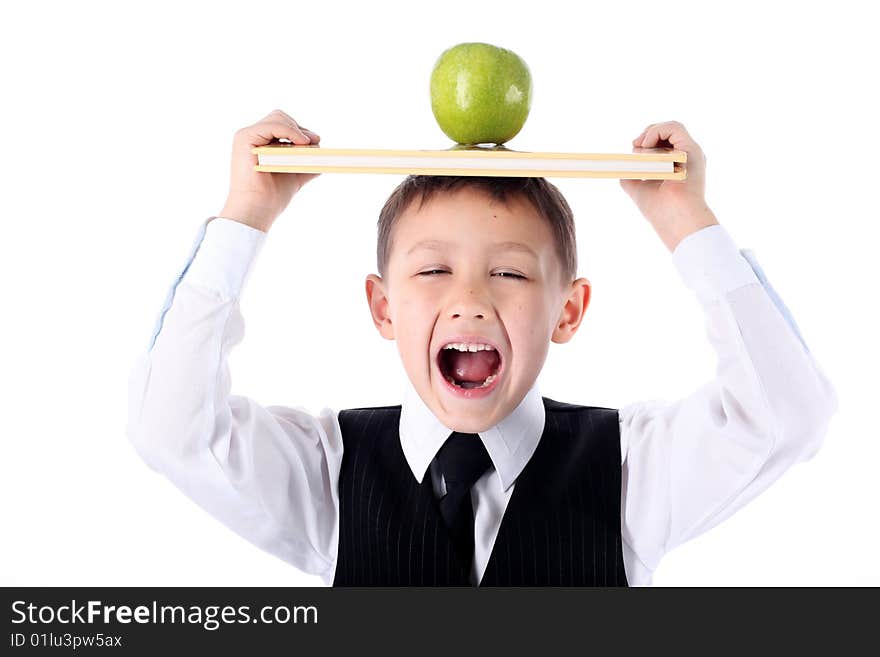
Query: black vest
x,y
561,526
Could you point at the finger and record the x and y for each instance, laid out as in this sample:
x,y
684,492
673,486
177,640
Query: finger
x,y
672,132
278,115
638,140
287,117
314,137
264,132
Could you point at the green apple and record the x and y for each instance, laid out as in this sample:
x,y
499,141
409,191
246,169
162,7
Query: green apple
x,y
480,93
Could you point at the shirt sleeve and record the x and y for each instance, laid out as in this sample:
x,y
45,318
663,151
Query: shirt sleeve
x,y
690,464
268,473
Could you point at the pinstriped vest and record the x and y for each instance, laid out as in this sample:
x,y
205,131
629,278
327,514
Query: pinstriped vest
x,y
561,526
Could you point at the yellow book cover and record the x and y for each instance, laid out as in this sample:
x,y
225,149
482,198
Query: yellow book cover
x,y
474,160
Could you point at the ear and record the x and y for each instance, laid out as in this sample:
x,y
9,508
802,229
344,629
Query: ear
x,y
377,298
573,311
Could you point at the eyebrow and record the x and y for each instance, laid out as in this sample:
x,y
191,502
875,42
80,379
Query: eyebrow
x,y
439,245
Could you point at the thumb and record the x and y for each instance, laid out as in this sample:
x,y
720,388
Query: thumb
x,y
629,185
306,177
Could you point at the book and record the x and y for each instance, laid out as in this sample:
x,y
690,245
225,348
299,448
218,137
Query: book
x,y
473,160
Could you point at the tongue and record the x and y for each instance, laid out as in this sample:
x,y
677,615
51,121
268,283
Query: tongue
x,y
473,366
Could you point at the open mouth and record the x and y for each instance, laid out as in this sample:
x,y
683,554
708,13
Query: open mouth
x,y
469,365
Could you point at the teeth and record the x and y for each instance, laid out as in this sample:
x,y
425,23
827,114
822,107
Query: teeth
x,y
486,383
462,346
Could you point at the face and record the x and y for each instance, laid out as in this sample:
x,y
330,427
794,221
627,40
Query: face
x,y
456,275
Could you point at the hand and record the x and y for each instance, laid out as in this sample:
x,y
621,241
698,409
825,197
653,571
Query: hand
x,y
256,198
675,208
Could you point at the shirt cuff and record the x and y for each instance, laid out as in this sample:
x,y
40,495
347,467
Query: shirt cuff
x,y
710,264
225,257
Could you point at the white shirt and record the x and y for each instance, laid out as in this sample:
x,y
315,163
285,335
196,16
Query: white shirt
x,y
271,473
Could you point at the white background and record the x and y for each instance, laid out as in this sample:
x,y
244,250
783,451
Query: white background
x,y
116,129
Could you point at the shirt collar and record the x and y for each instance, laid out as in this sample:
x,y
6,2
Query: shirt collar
x,y
510,443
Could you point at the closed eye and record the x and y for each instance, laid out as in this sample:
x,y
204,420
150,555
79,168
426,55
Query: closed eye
x,y
503,274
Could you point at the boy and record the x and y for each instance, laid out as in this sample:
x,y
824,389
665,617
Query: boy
x,y
476,479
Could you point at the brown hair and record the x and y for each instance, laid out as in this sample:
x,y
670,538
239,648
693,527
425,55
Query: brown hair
x,y
543,195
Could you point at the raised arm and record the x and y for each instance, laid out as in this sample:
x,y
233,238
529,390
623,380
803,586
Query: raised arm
x,y
268,473
692,463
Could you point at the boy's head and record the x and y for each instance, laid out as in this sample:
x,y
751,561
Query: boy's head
x,y
479,260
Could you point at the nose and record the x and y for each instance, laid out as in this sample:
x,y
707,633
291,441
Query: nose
x,y
469,300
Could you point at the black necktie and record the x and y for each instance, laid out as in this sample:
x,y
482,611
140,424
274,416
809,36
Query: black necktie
x,y
463,459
